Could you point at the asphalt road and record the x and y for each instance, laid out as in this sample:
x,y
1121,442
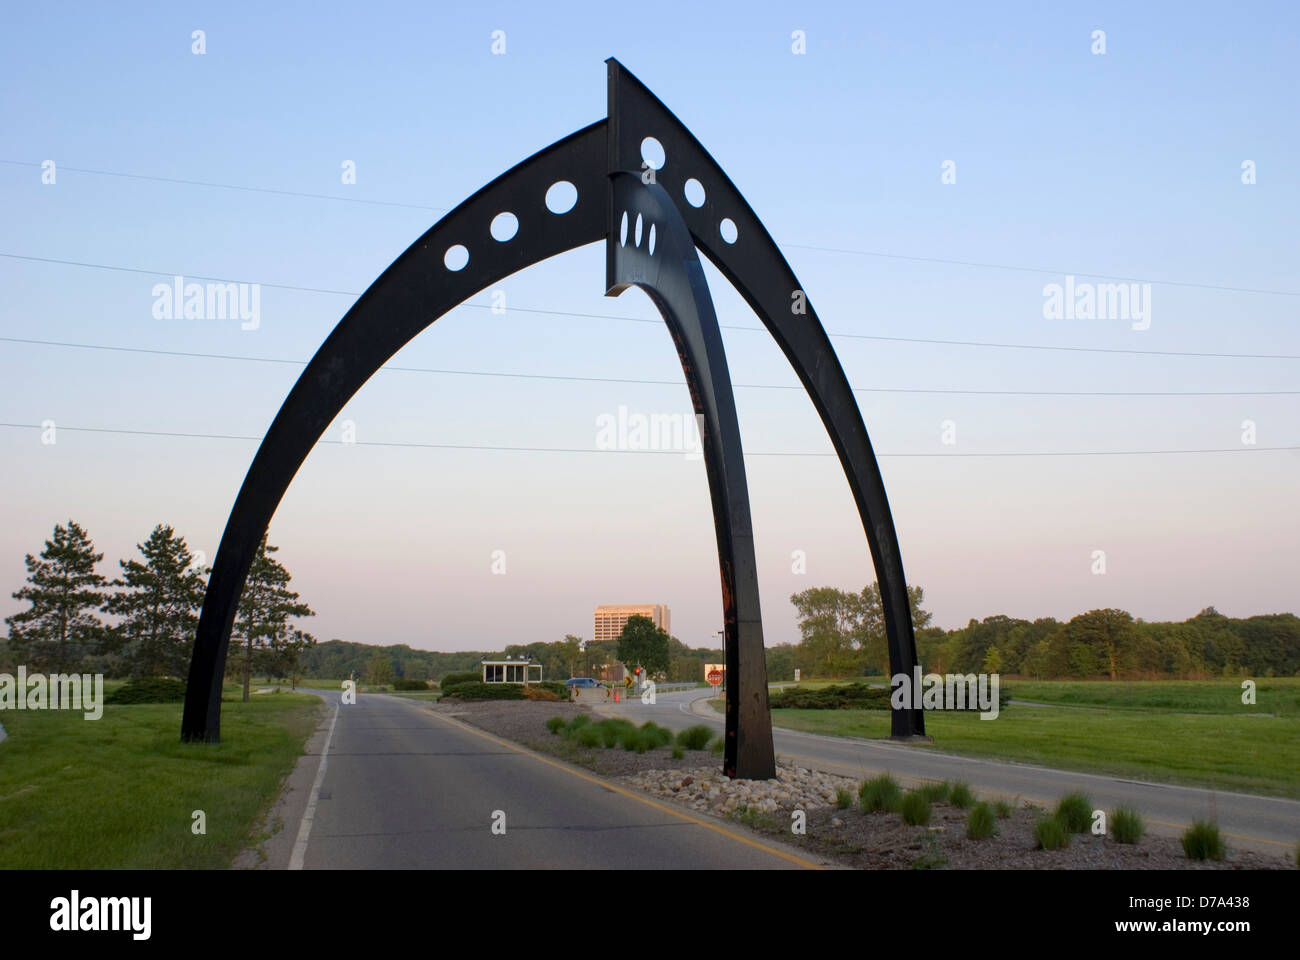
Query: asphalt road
x,y
387,784
1266,824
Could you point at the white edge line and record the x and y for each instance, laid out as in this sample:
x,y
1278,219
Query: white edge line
x,y
308,815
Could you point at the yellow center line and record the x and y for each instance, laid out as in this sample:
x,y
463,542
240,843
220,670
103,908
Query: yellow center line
x,y
807,864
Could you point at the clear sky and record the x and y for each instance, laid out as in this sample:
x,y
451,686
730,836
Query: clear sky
x,y
1127,163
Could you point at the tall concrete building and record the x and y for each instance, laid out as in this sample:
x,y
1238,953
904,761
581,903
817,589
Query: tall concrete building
x,y
610,620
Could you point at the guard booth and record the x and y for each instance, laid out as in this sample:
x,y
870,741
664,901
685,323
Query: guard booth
x,y
511,671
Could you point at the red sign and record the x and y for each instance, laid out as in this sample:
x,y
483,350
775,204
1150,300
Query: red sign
x,y
714,677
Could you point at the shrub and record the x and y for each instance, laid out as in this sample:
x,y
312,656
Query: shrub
x,y
960,795
656,735
555,724
844,800
148,690
695,738
1002,808
1126,825
1051,834
859,696
560,690
405,683
1202,841
717,746
537,692
980,822
611,731
1075,812
934,792
476,690
915,809
880,794
677,752
581,720
467,676
586,735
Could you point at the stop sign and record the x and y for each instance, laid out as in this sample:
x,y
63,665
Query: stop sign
x,y
714,677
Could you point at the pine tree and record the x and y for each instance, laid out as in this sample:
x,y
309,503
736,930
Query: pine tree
x,y
262,621
159,605
61,628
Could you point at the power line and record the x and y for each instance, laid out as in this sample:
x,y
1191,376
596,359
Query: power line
x,y
231,186
524,449
666,383
724,326
794,246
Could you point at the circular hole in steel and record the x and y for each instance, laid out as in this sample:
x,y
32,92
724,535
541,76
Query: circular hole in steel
x,y
652,152
728,230
694,192
622,230
638,229
650,244
561,197
504,227
456,258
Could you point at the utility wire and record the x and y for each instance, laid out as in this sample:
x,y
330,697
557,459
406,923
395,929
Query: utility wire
x,y
724,326
666,383
793,246
522,449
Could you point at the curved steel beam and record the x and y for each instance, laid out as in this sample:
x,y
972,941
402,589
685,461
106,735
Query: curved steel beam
x,y
756,268
409,296
653,249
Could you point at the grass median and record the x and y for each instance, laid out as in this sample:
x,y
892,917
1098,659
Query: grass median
x,y
1196,733
121,791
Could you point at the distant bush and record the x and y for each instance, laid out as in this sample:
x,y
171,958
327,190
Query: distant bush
x,y
717,746
477,690
1075,812
403,683
1126,825
980,822
555,724
560,690
850,696
880,794
677,752
1003,809
453,679
535,692
695,738
915,808
960,795
148,690
843,798
1051,834
1202,841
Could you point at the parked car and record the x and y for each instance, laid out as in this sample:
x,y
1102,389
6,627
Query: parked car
x,y
583,682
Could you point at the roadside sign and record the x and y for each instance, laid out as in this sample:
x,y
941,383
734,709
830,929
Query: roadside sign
x,y
714,677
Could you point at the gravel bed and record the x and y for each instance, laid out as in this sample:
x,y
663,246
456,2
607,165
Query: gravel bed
x,y
850,837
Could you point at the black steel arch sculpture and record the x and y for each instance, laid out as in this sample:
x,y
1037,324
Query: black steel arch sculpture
x,y
604,162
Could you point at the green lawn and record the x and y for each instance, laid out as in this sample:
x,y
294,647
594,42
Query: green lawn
x,y
1243,750
119,792
1280,697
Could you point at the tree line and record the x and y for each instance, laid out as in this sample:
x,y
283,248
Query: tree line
x,y
842,634
155,603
